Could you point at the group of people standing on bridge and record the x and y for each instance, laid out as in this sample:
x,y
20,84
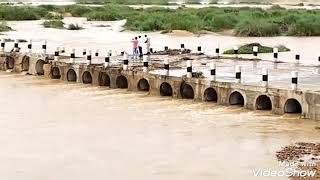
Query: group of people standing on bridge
x,y
139,44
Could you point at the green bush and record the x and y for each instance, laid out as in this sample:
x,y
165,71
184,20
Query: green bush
x,y
308,26
53,16
257,28
220,22
160,2
53,24
18,13
4,27
78,11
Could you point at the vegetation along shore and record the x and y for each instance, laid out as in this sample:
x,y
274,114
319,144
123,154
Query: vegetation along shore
x,y
244,21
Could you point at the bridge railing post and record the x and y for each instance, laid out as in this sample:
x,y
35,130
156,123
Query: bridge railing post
x,y
166,67
63,50
297,57
238,74
73,56
255,51
84,52
265,77
30,46
217,51
97,53
189,68
275,54
294,80
146,63
125,61
57,54
16,45
199,49
3,44
44,47
106,60
236,51
182,47
89,57
212,71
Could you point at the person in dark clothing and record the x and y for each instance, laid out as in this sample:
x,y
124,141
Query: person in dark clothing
x,y
140,46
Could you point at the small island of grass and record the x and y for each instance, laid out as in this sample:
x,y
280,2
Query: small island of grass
x,y
248,49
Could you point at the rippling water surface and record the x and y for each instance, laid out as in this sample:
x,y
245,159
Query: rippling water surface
x,y
54,130
107,36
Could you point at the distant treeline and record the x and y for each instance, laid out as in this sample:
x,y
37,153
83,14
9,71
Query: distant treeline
x,y
243,21
166,2
127,2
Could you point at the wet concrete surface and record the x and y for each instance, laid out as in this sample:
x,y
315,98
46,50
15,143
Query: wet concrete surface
x,y
279,73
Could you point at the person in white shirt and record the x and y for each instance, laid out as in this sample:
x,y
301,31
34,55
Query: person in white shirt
x,y
147,43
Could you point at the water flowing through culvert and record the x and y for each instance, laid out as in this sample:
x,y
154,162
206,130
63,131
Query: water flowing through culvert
x,y
69,130
98,132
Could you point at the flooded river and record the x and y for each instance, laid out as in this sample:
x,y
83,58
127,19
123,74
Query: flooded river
x,y
55,130
111,38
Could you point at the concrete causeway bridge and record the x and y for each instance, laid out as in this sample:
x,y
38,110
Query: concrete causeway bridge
x,y
139,78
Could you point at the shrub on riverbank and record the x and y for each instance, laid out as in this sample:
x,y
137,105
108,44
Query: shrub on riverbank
x,y
18,13
53,16
248,49
126,2
245,21
58,24
74,27
306,26
4,27
257,28
137,2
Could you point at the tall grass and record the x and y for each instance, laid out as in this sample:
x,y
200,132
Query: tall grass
x,y
19,13
126,2
244,21
165,2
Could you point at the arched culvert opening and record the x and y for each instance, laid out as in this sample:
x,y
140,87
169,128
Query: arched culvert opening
x,y
143,85
210,94
104,79
186,91
292,106
39,67
71,75
165,89
122,82
86,77
236,98
263,102
55,73
25,63
10,62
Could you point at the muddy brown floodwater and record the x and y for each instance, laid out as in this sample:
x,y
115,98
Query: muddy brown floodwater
x,y
106,36
55,130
